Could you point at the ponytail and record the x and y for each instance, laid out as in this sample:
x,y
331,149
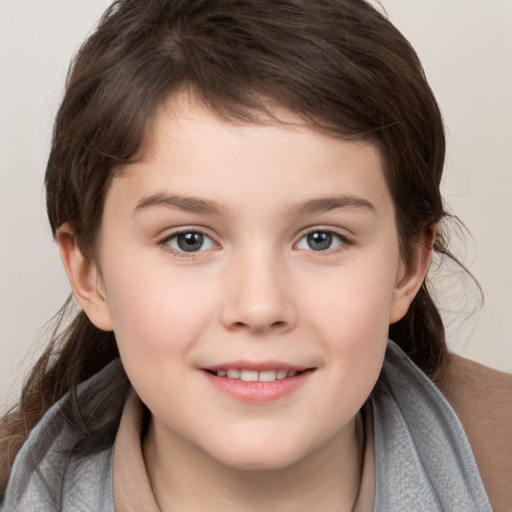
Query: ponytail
x,y
73,355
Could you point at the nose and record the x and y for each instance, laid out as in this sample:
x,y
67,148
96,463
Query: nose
x,y
258,296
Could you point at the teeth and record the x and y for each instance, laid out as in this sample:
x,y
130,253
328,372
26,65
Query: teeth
x,y
254,376
249,376
268,376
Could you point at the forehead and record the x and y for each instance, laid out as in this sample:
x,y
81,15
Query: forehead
x,y
186,106
191,150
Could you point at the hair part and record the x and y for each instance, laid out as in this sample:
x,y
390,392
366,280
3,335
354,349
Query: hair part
x,y
338,64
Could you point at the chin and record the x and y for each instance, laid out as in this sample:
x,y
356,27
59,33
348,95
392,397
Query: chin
x,y
260,456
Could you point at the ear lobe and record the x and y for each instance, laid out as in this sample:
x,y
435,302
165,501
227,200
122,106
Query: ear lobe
x,y
84,278
412,277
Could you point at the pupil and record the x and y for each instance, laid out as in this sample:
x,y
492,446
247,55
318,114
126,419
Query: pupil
x,y
320,240
190,242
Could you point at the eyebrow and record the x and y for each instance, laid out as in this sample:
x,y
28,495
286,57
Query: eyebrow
x,y
189,204
327,204
205,206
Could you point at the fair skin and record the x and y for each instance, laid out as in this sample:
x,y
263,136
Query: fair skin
x,y
261,247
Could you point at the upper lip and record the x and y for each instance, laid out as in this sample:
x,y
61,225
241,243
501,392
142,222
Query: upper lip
x,y
259,366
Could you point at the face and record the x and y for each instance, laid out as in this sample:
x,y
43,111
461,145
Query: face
x,y
250,273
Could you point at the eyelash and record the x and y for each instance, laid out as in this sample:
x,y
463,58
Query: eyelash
x,y
344,241
164,242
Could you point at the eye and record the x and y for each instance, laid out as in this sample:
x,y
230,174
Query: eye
x,y
189,241
321,241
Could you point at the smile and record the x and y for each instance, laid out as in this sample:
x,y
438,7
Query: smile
x,y
257,385
255,376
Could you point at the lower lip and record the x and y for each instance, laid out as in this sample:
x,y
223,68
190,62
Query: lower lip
x,y
258,392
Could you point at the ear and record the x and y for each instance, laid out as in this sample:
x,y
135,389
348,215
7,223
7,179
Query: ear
x,y
84,278
410,278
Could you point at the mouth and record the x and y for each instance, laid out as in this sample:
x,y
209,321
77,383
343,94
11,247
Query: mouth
x,y
249,375
259,383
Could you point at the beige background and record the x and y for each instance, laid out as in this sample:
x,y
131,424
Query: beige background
x,y
466,49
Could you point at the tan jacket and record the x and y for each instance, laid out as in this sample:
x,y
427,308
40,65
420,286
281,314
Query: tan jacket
x,y
482,399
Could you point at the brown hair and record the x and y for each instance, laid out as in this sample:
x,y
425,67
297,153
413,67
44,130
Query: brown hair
x,y
338,64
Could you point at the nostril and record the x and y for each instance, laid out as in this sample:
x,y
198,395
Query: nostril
x,y
278,325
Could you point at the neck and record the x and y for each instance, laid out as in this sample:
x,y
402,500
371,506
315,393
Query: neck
x,y
327,479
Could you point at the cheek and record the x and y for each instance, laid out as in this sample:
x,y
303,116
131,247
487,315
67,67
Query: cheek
x,y
351,316
157,325
154,314
355,302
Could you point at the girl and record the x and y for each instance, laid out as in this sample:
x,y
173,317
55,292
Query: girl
x,y
245,195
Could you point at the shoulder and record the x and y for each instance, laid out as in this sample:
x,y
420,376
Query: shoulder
x,y
423,459
67,464
47,475
482,399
